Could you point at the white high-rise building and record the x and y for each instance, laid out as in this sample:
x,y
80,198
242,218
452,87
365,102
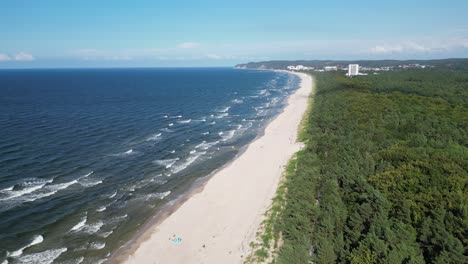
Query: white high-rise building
x,y
353,70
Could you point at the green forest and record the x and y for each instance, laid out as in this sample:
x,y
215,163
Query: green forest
x,y
383,175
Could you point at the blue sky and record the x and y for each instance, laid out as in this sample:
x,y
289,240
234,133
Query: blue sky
x,y
222,33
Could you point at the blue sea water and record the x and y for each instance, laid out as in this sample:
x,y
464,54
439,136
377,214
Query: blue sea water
x,y
87,156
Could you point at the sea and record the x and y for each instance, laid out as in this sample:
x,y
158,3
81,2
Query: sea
x,y
89,156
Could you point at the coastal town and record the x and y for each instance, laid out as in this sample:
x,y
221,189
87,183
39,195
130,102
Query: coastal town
x,y
355,70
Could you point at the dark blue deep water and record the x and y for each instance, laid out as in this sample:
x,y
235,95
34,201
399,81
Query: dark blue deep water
x,y
87,156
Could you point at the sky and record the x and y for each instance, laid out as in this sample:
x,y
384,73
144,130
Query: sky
x,y
157,33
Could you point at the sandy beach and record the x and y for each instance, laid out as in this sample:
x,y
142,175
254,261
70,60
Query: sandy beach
x,y
217,224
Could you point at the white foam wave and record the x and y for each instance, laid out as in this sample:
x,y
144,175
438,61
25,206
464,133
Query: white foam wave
x,y
36,240
206,145
185,121
222,115
238,101
79,225
90,183
206,133
118,218
212,123
106,234
92,228
77,261
167,163
224,110
31,195
45,257
101,209
24,188
97,245
86,175
113,195
151,196
192,158
167,130
154,137
171,124
229,134
126,153
7,189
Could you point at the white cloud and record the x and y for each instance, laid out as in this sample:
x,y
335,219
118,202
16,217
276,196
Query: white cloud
x,y
406,47
214,56
23,56
188,45
429,46
4,57
221,57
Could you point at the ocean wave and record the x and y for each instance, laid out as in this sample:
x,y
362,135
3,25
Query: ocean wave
x,y
36,240
30,194
75,261
45,257
238,101
154,137
7,189
126,153
206,145
80,224
24,188
90,182
97,245
191,159
224,110
228,135
106,234
101,208
118,219
184,121
113,195
222,115
171,124
167,163
151,196
205,133
92,228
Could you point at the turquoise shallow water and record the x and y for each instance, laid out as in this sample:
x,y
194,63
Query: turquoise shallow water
x,y
88,155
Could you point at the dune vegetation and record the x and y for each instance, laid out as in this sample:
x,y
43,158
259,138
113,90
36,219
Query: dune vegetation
x,y
383,175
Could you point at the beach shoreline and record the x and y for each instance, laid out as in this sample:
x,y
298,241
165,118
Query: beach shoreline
x,y
204,217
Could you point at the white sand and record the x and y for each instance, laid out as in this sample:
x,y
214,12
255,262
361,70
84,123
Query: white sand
x,y
217,224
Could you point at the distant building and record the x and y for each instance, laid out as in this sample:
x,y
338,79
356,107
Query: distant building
x,y
353,70
299,68
330,68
